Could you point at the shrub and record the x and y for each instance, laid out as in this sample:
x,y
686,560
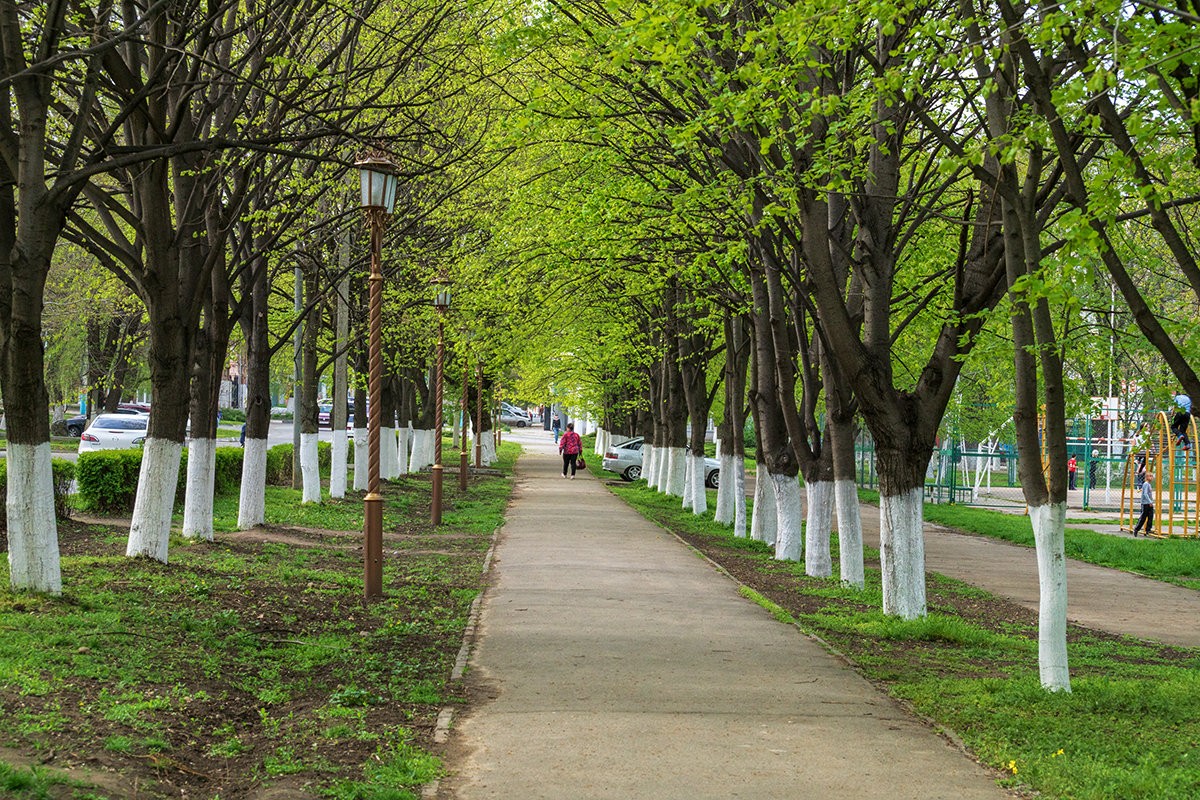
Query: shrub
x,y
108,479
233,415
64,474
279,463
229,470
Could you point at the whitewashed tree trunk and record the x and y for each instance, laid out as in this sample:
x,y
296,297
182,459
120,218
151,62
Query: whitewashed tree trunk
x,y
724,511
337,471
1048,534
309,471
252,499
387,453
361,455
676,471
850,535
150,533
764,525
688,485
649,457
739,496
33,559
699,495
789,512
818,563
662,468
489,448
902,553
421,440
201,480
403,442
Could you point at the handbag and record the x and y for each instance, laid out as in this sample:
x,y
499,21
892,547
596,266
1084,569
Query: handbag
x,y
581,463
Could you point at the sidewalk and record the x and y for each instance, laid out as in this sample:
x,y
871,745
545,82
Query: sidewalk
x,y
614,663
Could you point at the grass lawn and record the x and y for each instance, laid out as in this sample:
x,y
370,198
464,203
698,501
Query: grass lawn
x,y
1176,561
248,662
1127,730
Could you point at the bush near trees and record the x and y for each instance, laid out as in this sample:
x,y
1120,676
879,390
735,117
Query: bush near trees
x,y
108,479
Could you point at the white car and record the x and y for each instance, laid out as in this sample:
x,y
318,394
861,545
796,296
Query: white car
x,y
114,432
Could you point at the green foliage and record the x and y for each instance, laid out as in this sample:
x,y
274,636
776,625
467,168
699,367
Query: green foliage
x,y
64,474
233,415
108,479
279,463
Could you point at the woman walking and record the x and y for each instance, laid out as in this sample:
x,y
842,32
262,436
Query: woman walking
x,y
570,446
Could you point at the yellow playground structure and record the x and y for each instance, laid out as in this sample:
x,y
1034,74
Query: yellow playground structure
x,y
1157,450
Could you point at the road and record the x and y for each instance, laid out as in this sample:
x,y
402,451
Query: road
x,y
279,433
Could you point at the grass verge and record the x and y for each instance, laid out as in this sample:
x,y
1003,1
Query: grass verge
x,y
1176,561
248,662
1128,729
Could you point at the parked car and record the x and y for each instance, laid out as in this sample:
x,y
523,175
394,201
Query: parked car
x,y
514,417
77,424
114,432
625,459
324,414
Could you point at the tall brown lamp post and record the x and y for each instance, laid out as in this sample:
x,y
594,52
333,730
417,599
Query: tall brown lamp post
x,y
441,301
466,419
479,415
378,178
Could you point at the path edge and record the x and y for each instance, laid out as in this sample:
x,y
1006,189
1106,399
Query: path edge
x,y
441,730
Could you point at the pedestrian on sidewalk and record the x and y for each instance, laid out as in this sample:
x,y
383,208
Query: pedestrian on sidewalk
x,y
557,426
1071,464
1147,516
570,447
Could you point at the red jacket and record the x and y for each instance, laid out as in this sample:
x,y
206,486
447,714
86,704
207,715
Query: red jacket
x,y
570,443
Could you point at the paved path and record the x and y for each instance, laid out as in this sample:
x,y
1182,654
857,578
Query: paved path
x,y
617,664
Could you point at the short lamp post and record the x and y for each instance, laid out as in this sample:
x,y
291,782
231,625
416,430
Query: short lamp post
x,y
377,176
441,301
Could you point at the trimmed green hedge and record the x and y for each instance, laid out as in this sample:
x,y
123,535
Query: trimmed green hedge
x,y
108,478
279,463
64,473
233,415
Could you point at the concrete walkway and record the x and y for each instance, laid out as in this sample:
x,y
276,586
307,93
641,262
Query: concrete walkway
x,y
614,663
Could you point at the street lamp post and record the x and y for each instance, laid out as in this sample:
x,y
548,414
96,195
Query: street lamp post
x,y
462,455
441,301
378,180
479,415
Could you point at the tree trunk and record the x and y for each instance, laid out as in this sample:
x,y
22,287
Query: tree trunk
x,y
307,396
32,528
252,497
361,448
775,450
842,434
338,416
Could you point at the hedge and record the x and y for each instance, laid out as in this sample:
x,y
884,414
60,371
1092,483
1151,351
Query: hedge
x,y
279,463
64,473
108,478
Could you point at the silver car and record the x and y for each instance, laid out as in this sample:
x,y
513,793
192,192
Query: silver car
x,y
515,418
625,459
